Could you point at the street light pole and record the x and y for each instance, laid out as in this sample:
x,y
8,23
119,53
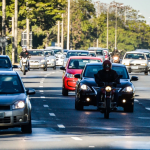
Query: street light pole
x,y
13,48
62,33
68,38
58,34
107,26
116,30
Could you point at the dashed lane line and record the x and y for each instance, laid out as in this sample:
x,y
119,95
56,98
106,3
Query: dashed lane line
x,y
42,96
45,105
144,117
61,126
41,86
147,108
91,146
41,91
52,114
76,138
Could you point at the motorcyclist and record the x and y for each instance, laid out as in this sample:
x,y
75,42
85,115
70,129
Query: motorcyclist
x,y
115,52
24,54
106,75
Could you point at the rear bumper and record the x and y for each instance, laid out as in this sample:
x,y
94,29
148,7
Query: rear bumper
x,y
139,69
51,64
70,83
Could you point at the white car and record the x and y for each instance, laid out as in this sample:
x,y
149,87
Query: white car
x,y
136,62
58,51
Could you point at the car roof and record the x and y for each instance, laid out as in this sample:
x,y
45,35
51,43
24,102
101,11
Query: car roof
x,y
4,56
135,52
84,57
8,73
77,51
143,50
100,64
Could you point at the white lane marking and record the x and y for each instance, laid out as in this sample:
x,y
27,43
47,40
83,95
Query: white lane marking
x,y
61,126
144,117
42,96
41,82
147,108
53,72
76,138
41,91
52,114
136,100
92,146
40,86
45,105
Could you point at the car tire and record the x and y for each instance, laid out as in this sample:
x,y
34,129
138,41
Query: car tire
x,y
64,92
45,69
78,106
129,70
129,108
146,72
54,68
24,70
27,128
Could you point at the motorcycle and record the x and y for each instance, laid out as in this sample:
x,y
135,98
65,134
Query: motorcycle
x,y
25,65
116,59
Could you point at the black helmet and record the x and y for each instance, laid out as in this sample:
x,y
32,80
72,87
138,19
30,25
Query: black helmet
x,y
107,65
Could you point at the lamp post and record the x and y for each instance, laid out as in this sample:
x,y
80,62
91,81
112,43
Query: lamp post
x,y
108,25
68,37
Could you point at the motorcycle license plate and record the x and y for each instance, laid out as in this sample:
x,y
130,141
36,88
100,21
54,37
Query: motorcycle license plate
x,y
1,115
134,67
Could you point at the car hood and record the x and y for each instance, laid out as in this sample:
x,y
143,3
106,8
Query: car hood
x,y
37,57
74,71
91,82
8,99
6,69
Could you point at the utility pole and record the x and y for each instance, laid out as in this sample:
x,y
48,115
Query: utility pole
x,y
28,32
16,29
58,34
116,29
3,23
68,36
13,48
62,33
107,26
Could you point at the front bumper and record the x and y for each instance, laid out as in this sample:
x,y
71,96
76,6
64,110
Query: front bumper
x,y
70,83
14,118
37,65
59,62
51,64
139,68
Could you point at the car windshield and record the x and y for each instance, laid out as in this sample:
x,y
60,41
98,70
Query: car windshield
x,y
91,70
4,63
48,53
135,56
80,63
99,52
36,53
92,54
57,51
147,55
10,84
69,54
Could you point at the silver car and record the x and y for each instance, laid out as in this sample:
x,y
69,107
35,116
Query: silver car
x,y
15,106
75,53
51,59
37,59
136,62
99,52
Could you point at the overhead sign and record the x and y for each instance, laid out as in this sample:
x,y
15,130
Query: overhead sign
x,y
24,39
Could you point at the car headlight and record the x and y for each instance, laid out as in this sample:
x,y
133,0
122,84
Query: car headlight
x,y
126,63
128,89
85,87
144,64
43,60
115,58
108,88
24,60
69,75
18,105
52,59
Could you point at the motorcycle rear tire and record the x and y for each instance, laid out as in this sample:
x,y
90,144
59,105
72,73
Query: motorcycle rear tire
x,y
107,110
24,70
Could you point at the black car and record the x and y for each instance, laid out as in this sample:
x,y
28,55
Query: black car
x,y
86,87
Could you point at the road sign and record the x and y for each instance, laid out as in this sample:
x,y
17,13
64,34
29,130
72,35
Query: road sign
x,y
24,39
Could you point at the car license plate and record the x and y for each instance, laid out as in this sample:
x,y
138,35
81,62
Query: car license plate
x,y
134,67
1,115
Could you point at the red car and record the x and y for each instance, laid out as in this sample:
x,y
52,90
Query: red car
x,y
106,55
74,66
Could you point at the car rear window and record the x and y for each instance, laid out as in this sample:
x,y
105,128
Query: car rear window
x,y
80,63
69,54
91,70
48,53
5,63
135,56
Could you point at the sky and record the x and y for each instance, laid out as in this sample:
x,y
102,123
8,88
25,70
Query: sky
x,y
142,5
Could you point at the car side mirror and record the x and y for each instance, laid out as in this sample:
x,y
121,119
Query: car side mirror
x,y
62,68
77,75
30,91
15,66
134,78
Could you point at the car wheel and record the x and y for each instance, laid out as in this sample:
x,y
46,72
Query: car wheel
x,y
129,108
129,70
146,72
64,92
27,128
78,106
45,69
54,68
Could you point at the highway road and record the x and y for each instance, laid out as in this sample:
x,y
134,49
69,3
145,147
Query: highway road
x,y
57,125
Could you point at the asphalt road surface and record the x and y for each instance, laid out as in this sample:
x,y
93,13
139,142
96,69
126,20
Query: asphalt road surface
x,y
57,125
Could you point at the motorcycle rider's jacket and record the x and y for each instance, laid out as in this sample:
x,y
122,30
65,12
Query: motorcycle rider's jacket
x,y
115,53
106,76
24,54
